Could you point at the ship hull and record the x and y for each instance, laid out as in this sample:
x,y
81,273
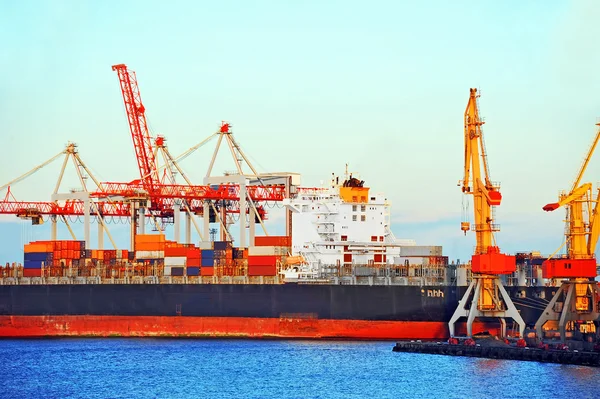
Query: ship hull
x,y
243,310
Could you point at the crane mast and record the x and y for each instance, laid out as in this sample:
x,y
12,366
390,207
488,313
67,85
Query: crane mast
x,y
577,299
485,296
142,142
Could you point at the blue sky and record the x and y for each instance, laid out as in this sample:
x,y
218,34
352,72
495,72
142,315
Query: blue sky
x,y
309,86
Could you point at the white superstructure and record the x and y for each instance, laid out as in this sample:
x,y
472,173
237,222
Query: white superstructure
x,y
345,224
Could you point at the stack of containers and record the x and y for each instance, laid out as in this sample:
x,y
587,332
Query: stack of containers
x,y
193,261
266,253
57,255
175,258
36,255
51,254
207,262
150,247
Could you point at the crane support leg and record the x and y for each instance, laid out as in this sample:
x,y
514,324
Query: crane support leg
x,y
100,234
53,233
475,310
188,228
573,301
461,310
177,221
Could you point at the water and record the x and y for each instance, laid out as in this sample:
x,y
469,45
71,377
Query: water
x,y
165,368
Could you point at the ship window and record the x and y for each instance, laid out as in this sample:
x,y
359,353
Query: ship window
x,y
374,238
354,199
363,218
354,218
372,198
353,208
363,199
381,238
344,238
363,208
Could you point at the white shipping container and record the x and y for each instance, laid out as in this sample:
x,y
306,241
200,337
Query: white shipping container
x,y
205,245
175,261
149,254
421,250
167,271
253,251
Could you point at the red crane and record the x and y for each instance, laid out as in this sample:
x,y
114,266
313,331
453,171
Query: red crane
x,y
136,117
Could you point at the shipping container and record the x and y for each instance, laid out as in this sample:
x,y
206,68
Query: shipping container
x,y
207,254
193,271
270,250
222,245
149,238
205,245
33,264
177,270
207,262
193,253
262,270
421,250
175,261
38,247
207,271
32,272
38,256
274,241
176,251
262,260
149,254
194,262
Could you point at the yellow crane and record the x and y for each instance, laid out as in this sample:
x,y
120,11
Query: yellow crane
x,y
578,296
485,296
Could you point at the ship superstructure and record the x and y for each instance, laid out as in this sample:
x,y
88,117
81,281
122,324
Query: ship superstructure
x,y
344,230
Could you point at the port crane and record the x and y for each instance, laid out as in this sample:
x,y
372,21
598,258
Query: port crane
x,y
156,194
165,196
485,296
578,297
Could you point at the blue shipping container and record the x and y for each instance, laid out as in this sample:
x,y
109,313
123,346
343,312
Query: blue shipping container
x,y
193,271
32,264
177,271
38,256
207,262
220,245
208,253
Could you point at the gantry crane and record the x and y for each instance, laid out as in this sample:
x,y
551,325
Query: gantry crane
x,y
578,297
164,196
485,296
160,197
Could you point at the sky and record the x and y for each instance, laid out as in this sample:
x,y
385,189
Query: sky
x,y
308,87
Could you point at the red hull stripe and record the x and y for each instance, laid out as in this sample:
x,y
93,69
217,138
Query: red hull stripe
x,y
179,326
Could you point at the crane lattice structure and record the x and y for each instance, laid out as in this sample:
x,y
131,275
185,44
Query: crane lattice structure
x,y
578,298
485,296
152,195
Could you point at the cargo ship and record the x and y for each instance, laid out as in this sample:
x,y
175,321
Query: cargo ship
x,y
341,274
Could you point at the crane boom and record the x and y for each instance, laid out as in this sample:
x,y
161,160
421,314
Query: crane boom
x,y
485,194
138,126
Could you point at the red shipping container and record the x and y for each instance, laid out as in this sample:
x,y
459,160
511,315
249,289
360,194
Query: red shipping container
x,y
263,260
32,272
348,258
377,258
273,241
193,262
175,251
207,271
193,253
262,270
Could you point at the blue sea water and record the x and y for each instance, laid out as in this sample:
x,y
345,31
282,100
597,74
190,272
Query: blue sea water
x,y
186,368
